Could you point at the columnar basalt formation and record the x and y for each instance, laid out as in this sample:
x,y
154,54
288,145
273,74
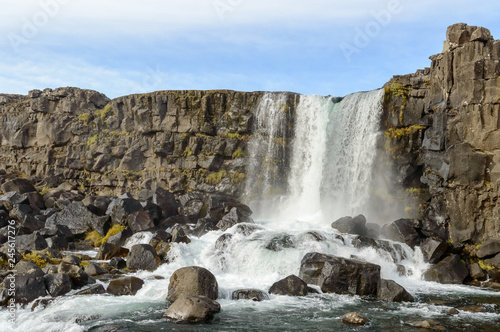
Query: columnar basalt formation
x,y
442,126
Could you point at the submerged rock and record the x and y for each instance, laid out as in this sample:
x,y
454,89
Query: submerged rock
x,y
192,280
249,294
428,324
192,309
291,285
354,318
340,275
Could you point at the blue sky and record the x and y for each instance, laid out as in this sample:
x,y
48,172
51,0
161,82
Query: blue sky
x,y
120,47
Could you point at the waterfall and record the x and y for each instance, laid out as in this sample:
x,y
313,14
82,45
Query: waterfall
x,y
332,154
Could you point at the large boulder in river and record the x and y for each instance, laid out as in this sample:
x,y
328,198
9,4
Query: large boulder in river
x,y
391,291
291,285
403,230
350,225
125,286
192,280
192,309
76,217
143,257
450,270
340,275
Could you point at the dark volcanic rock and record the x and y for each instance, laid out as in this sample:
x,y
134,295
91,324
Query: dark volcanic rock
x,y
30,242
249,294
433,249
108,251
140,221
291,285
349,225
488,248
450,270
92,290
192,309
76,217
143,257
167,202
192,280
391,291
233,217
403,230
57,284
29,283
125,286
19,185
340,275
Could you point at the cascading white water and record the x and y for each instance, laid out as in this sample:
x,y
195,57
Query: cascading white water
x,y
333,151
267,149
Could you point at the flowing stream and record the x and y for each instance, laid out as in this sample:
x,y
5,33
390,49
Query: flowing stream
x,y
329,176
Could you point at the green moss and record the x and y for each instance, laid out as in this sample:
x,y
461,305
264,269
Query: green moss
x,y
92,140
187,152
239,153
84,117
115,229
216,177
237,177
35,258
102,113
95,237
84,264
485,266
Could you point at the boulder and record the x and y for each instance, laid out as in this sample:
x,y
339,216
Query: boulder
x,y
29,284
403,230
291,285
249,294
433,249
233,217
349,225
495,261
340,275
488,248
160,236
143,257
172,221
18,185
76,217
72,259
223,242
118,262
57,284
354,318
120,238
395,250
58,242
391,291
280,242
476,272
179,236
450,270
92,290
108,251
78,277
192,309
140,221
93,269
125,286
167,202
31,242
192,280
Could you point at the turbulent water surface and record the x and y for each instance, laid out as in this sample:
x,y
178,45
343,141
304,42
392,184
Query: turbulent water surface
x,y
330,172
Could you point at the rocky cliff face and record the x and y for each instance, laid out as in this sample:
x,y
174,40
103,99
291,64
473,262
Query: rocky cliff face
x,y
442,126
179,140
